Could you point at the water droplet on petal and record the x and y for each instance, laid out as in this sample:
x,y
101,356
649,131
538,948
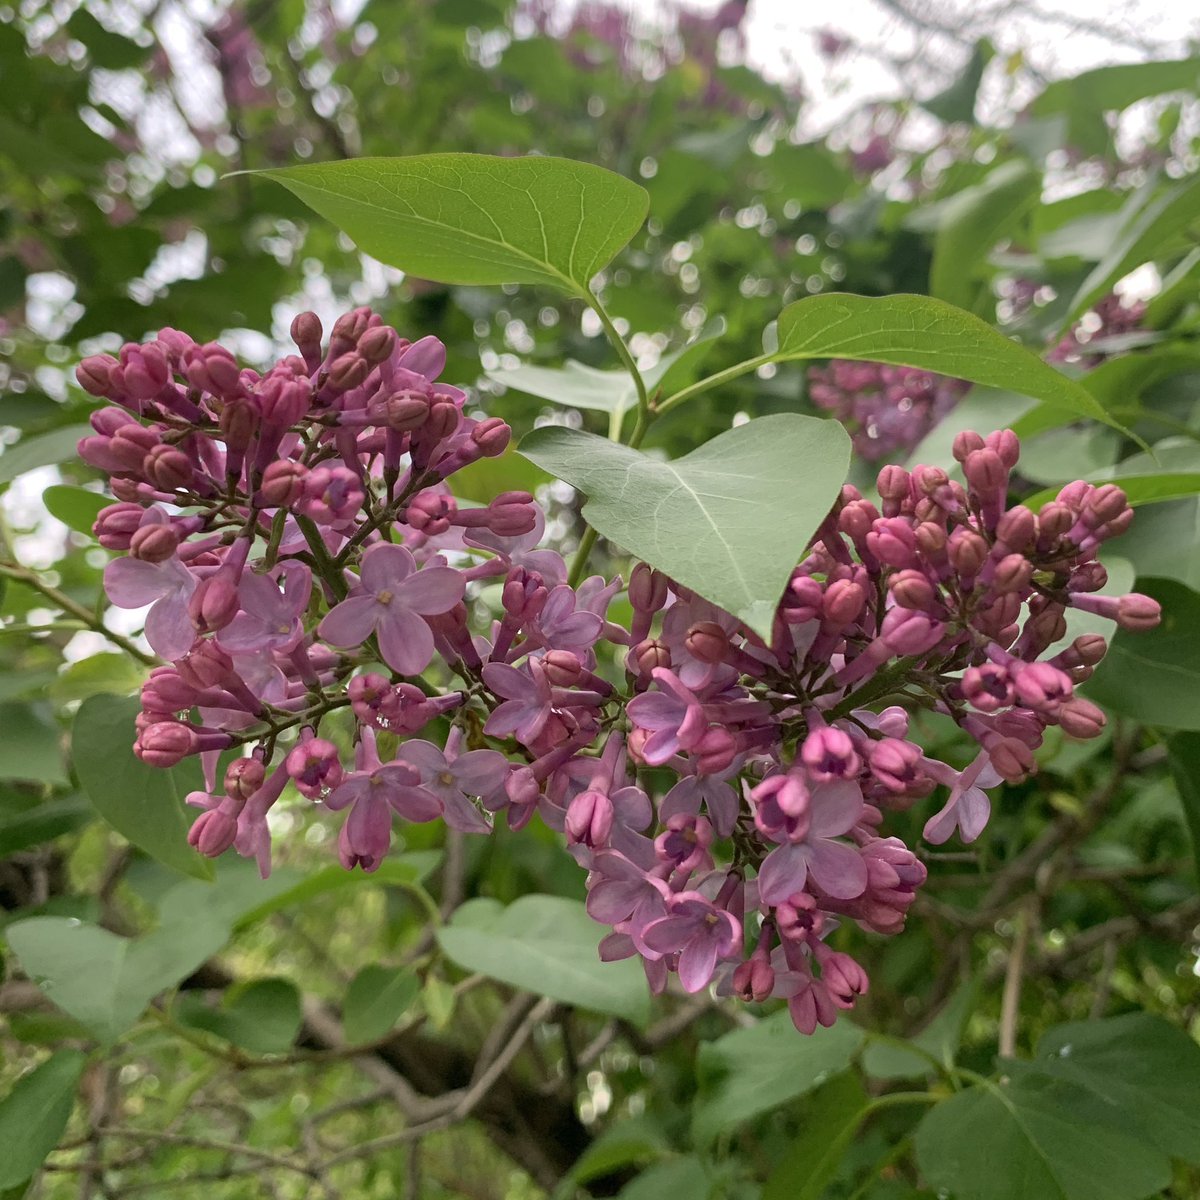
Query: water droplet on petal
x,y
73,922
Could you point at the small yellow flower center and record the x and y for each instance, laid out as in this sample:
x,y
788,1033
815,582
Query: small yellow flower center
x,y
384,597
446,778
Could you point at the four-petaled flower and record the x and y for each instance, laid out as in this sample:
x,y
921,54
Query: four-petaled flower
x,y
390,600
453,778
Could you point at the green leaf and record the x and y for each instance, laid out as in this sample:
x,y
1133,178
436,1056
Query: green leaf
x,y
477,219
142,803
35,1113
680,1177
114,673
1165,542
43,823
1033,1137
547,945
376,999
919,331
633,1140
974,220
1154,676
1183,753
730,520
407,868
752,1070
1151,228
105,48
939,1039
1086,98
816,1152
260,1015
42,450
956,103
105,982
30,746
1144,1071
75,506
486,478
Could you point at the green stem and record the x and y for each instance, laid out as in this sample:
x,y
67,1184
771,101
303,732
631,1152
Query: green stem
x,y
704,385
326,567
627,360
31,579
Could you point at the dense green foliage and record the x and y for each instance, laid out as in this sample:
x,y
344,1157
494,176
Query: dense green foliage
x,y
444,1025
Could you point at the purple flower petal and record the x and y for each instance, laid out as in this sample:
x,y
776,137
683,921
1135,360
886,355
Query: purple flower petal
x,y
432,590
835,807
351,622
479,772
405,641
837,868
169,628
782,873
385,567
698,962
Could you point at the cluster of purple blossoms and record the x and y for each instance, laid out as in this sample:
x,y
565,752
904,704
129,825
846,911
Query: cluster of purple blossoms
x,y
886,409
315,589
1085,342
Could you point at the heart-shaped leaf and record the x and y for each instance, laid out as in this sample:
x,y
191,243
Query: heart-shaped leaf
x,y
142,803
547,945
919,331
475,218
75,506
730,520
105,981
376,999
35,1113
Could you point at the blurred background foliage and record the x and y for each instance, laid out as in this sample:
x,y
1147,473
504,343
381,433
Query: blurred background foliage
x,y
119,126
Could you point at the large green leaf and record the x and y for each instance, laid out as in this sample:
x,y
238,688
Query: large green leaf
x,y
142,803
1033,1137
919,331
477,219
35,1113
1150,227
974,220
815,1153
1183,753
75,506
42,450
730,520
939,1041
104,981
376,999
1154,676
752,1070
1142,1069
260,1015
30,746
547,945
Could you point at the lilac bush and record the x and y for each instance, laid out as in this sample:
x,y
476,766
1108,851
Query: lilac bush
x,y
315,589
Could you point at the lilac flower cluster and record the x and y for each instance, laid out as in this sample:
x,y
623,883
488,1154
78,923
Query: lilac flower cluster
x,y
1084,342
312,584
887,410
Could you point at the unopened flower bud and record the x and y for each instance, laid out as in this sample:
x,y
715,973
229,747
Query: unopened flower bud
x,y
647,589
282,484
213,604
95,374
1080,718
377,343
563,667
708,642
492,436
754,979
243,777
153,543
213,832
165,743
589,819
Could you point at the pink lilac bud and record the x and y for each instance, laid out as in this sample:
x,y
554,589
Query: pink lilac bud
x,y
153,543
243,777
1080,718
314,767
214,603
306,332
95,374
492,436
331,494
647,589
377,344
116,524
715,751
754,980
165,743
168,468
589,819
708,642
213,832
828,754
283,484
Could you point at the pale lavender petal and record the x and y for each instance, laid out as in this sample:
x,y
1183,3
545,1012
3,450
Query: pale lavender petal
x,y
668,934
653,710
405,641
169,629
782,873
613,900
974,809
505,718
433,590
835,807
351,622
132,583
369,827
413,803
660,747
684,797
426,356
479,772
423,755
533,723
837,868
723,806
461,814
697,963
633,807
352,788
297,587
940,827
508,682
385,567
